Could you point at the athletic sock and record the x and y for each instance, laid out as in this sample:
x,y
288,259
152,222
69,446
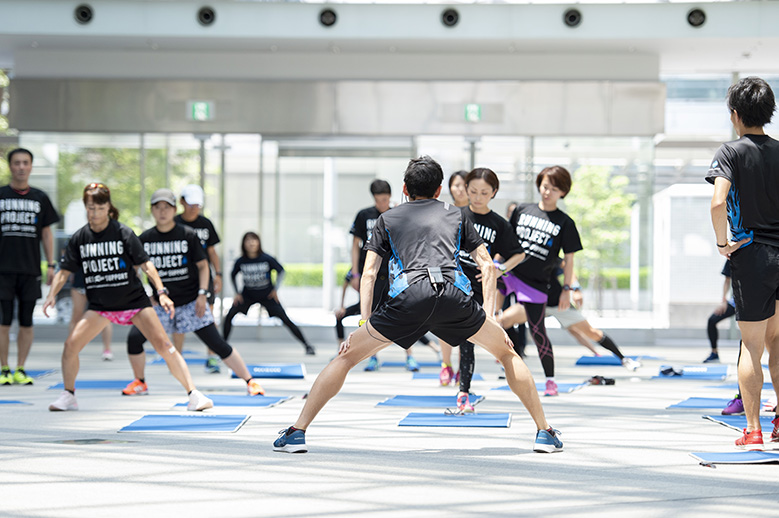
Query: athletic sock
x,y
142,380
71,391
550,378
609,345
292,430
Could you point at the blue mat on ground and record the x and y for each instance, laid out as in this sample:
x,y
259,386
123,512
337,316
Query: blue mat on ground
x,y
277,370
696,372
428,401
403,364
704,402
13,402
186,423
734,386
739,422
434,376
35,373
464,420
609,360
95,385
236,400
189,360
561,387
736,457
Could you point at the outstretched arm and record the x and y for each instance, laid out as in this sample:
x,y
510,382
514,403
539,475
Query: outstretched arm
x,y
367,281
488,278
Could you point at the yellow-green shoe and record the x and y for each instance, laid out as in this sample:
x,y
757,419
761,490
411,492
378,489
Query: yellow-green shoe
x,y
21,377
6,376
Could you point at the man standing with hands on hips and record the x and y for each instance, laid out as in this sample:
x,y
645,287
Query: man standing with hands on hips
x,y
26,216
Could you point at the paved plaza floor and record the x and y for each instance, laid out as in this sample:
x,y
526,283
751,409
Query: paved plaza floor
x,y
625,454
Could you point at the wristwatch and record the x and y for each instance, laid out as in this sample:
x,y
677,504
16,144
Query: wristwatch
x,y
162,291
201,291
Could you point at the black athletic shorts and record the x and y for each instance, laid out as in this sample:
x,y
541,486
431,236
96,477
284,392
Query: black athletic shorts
x,y
20,286
273,308
755,280
451,315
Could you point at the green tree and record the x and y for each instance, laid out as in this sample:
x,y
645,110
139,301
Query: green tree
x,y
601,207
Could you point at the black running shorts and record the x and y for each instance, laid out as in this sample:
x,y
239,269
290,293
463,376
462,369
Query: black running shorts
x,y
449,314
755,281
20,286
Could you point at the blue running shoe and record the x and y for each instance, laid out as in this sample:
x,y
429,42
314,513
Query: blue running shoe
x,y
373,364
212,365
294,442
547,441
411,364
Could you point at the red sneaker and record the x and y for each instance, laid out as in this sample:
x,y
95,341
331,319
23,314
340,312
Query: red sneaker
x,y
136,388
775,433
751,441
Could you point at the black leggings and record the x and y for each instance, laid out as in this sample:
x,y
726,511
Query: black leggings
x,y
535,321
274,309
208,335
26,308
715,319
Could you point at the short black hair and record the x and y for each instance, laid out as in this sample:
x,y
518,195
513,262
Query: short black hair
x,y
380,187
422,177
19,150
753,100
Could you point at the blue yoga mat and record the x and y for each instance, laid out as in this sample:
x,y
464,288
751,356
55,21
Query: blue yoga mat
x,y
561,387
277,370
95,385
697,372
13,402
189,360
403,364
434,376
428,401
734,386
736,457
235,400
40,373
464,420
186,423
704,402
609,360
739,422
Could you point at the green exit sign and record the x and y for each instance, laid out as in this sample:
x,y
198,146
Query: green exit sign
x,y
200,111
473,112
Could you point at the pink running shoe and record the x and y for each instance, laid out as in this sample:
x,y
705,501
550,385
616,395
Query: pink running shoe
x,y
551,388
447,373
775,433
463,404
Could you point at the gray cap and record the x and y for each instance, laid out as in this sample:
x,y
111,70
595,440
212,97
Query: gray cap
x,y
163,195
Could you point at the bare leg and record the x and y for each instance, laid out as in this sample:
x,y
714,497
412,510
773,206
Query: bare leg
x,y
108,334
446,353
24,343
238,366
5,343
750,372
147,323
138,364
85,330
178,342
582,337
361,345
772,344
513,316
492,338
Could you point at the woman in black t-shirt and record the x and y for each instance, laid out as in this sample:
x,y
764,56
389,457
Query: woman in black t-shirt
x,y
255,266
482,185
543,230
107,252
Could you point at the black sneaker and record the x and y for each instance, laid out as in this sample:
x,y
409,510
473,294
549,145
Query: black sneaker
x,y
310,350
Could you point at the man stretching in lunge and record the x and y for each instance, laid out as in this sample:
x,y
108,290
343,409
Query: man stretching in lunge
x,y
428,292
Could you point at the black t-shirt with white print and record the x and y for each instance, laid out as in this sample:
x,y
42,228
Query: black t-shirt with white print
x,y
107,259
175,254
542,234
362,228
22,220
498,235
255,274
203,228
421,234
751,165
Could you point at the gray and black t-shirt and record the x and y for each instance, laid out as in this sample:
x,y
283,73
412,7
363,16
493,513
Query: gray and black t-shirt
x,y
421,234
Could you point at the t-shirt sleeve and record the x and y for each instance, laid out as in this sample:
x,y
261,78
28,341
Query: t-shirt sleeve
x,y
379,241
471,240
213,237
274,264
723,165
49,216
70,259
571,242
359,227
726,269
134,248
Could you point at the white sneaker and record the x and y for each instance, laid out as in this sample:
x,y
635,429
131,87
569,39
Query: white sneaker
x,y
630,364
66,401
198,402
108,356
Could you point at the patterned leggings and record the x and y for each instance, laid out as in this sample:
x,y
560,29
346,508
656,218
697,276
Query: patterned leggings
x,y
535,321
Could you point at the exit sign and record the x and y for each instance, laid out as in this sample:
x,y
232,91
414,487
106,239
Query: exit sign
x,y
473,112
200,111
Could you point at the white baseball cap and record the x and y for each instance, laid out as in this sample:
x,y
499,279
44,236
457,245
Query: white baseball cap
x,y
193,195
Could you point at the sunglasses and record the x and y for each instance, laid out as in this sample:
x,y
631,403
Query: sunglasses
x,y
95,185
